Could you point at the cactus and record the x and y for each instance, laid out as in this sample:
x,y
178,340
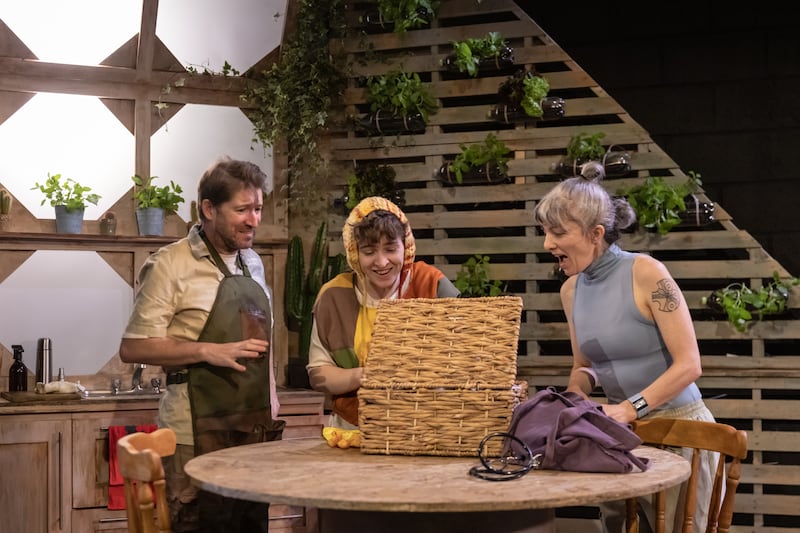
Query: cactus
x,y
301,288
5,202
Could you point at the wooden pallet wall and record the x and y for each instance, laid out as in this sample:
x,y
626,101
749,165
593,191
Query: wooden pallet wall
x,y
750,379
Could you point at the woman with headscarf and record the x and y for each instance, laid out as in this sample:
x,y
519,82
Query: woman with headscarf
x,y
380,250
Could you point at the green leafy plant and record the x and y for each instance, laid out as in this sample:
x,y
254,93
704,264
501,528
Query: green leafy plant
x,y
400,94
525,89
658,204
407,14
491,151
5,202
742,305
147,195
292,101
69,193
302,287
473,278
468,54
372,180
586,147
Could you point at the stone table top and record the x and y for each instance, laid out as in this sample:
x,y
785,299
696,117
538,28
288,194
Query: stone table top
x,y
308,472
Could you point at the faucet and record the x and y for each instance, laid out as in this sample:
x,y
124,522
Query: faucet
x,y
136,380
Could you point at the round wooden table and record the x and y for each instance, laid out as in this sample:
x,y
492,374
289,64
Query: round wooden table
x,y
415,493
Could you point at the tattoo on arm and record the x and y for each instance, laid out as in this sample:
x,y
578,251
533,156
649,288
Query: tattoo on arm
x,y
666,296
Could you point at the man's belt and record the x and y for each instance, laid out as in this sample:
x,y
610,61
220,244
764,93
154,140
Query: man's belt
x,y
176,378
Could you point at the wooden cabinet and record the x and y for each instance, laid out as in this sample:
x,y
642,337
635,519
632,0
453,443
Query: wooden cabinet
x,y
54,468
35,461
90,468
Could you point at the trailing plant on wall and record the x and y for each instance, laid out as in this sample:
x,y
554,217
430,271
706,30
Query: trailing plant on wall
x,y
742,305
292,100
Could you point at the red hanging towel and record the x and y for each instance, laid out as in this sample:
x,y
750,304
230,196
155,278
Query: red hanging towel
x,y
116,490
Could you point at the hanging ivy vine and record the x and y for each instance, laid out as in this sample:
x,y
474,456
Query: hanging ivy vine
x,y
292,100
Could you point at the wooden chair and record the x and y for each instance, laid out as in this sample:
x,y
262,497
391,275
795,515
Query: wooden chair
x,y
139,457
732,447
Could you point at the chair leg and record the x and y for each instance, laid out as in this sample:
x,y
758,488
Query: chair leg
x,y
631,516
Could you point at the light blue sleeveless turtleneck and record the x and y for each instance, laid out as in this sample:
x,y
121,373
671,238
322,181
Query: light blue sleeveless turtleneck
x,y
626,349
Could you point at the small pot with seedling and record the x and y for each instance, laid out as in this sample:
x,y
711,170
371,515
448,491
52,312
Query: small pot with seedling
x,y
585,152
742,305
473,55
478,164
523,97
69,199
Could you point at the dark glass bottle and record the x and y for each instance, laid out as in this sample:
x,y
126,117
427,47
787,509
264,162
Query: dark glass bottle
x,y
18,373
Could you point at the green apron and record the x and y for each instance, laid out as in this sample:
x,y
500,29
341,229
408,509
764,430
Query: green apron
x,y
229,407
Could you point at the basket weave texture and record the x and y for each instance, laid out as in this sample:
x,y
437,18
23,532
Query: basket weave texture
x,y
440,375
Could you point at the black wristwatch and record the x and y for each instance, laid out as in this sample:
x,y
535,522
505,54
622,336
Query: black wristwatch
x,y
640,405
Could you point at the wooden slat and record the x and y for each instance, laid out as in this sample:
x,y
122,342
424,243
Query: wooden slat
x,y
752,386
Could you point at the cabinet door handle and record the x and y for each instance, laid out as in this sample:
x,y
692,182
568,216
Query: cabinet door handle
x,y
109,520
60,480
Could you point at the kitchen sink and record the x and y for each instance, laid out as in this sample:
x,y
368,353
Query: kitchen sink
x,y
109,394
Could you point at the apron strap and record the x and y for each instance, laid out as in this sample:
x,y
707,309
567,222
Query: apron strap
x,y
215,257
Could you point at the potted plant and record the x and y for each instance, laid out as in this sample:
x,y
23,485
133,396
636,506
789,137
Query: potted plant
x,y
69,198
301,289
473,278
585,148
153,203
482,163
371,180
742,305
474,54
400,15
523,97
5,209
398,102
661,206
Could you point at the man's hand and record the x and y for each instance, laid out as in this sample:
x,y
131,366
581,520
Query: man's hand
x,y
227,354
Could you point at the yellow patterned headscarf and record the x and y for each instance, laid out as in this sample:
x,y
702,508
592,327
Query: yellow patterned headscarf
x,y
365,207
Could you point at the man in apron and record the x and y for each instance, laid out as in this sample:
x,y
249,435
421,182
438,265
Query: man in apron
x,y
204,312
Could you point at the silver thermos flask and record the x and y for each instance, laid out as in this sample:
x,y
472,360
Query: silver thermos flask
x,y
44,361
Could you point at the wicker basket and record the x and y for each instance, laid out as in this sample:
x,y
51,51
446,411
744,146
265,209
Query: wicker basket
x,y
440,375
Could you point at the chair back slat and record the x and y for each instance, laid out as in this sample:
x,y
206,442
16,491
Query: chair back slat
x,y
724,439
139,456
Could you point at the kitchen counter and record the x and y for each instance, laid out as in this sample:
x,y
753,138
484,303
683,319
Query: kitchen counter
x,y
289,399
